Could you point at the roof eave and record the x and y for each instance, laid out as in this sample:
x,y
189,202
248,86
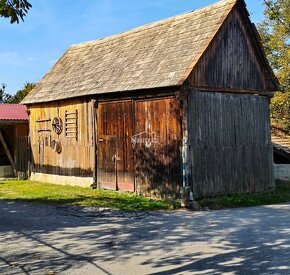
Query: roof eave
x,y
132,93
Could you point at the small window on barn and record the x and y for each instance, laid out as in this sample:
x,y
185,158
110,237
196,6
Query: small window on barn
x,y
71,125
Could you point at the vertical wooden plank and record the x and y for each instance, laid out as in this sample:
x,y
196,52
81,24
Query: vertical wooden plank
x,y
231,61
228,139
158,163
115,122
76,158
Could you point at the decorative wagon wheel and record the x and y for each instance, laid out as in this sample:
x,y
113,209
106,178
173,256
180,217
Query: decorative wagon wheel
x,y
57,125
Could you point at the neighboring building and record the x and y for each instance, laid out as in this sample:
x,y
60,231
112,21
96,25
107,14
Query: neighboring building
x,y
281,151
281,148
13,140
179,104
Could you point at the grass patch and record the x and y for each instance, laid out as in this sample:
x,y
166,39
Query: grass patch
x,y
33,191
280,195
58,194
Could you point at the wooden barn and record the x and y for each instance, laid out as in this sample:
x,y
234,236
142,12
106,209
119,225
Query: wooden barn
x,y
281,154
175,106
14,153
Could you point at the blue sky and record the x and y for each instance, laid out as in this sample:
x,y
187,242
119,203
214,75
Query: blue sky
x,y
28,50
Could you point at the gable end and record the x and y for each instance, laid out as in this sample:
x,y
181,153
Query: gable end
x,y
235,59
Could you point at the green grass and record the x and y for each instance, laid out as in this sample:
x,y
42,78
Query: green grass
x,y
280,195
63,194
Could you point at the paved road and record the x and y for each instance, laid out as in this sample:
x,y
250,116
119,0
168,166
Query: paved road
x,y
42,239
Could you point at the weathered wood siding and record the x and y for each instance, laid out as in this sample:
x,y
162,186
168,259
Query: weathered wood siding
x,y
232,61
158,158
115,167
230,148
77,143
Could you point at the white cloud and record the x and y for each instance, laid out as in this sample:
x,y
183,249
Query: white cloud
x,y
14,59
10,58
31,58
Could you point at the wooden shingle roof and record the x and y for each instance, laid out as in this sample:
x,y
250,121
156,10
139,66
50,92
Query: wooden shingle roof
x,y
161,54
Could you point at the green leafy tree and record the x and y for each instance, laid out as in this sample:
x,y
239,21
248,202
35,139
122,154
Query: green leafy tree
x,y
280,111
275,34
14,9
4,97
17,98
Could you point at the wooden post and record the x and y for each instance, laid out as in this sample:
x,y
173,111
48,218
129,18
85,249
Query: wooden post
x,y
186,188
7,152
95,147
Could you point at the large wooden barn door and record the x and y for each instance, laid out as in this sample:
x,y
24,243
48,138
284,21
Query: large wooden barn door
x,y
115,154
157,147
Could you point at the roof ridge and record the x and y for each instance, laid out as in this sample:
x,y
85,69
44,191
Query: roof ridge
x,y
153,24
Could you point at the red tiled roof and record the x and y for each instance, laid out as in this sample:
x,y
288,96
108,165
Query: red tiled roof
x,y
13,112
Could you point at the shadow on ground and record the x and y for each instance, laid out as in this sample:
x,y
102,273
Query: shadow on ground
x,y
42,238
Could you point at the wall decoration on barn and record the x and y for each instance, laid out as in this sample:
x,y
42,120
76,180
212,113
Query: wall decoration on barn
x,y
57,125
71,124
47,140
177,106
56,146
43,125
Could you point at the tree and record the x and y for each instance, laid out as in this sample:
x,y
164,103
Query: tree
x,y
280,111
275,34
4,97
14,9
20,94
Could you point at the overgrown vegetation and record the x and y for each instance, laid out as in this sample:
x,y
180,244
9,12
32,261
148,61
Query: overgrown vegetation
x,y
281,195
280,111
275,34
20,94
63,194
4,97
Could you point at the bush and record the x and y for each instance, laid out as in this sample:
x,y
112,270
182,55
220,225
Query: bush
x,y
280,110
